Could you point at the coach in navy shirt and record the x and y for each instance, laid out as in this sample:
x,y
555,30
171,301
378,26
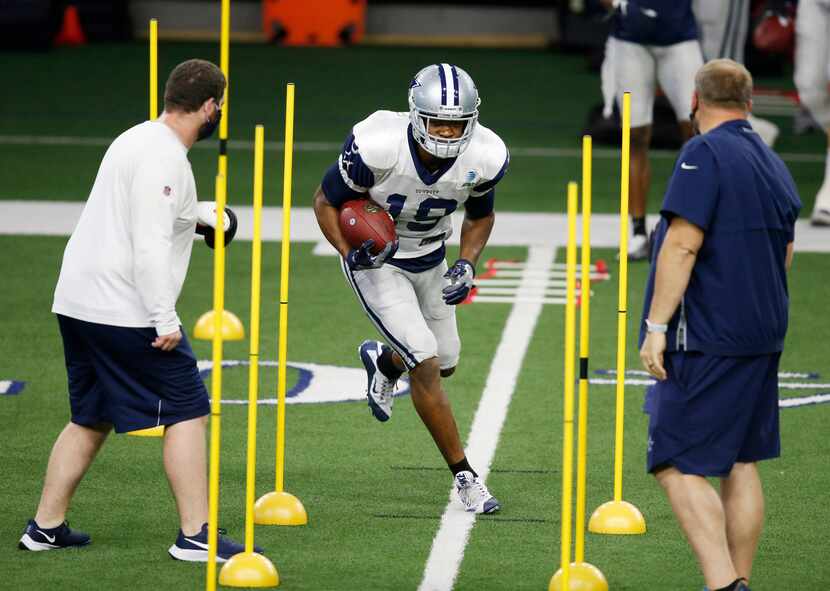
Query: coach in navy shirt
x,y
714,323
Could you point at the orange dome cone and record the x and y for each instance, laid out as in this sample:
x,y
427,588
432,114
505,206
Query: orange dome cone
x,y
71,32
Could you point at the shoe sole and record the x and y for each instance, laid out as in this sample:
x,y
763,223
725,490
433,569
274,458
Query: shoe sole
x,y
27,543
369,366
186,555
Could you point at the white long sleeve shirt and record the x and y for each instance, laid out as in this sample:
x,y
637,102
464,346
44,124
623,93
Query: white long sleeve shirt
x,y
127,258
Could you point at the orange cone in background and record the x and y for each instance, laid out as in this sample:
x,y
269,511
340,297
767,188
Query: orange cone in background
x,y
71,32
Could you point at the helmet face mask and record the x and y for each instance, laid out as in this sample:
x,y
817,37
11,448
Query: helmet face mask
x,y
443,92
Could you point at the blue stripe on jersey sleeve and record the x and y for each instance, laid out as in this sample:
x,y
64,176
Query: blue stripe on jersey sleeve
x,y
335,189
478,207
353,165
487,185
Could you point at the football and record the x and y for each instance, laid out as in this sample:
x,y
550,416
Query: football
x,y
362,219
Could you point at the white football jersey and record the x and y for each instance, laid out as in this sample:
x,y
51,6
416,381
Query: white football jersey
x,y
380,158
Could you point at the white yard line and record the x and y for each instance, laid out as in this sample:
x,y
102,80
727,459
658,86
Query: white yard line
x,y
58,218
450,541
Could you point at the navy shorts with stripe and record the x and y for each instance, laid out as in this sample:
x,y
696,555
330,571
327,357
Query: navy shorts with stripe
x,y
712,412
116,376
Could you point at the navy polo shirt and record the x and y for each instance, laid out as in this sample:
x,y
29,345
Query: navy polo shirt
x,y
655,22
740,193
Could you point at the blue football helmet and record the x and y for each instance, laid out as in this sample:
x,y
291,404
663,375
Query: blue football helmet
x,y
445,92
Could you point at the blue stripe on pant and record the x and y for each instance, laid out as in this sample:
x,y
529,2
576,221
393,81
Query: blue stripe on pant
x,y
408,358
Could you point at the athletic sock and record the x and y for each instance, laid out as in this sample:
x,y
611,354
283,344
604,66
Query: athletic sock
x,y
461,467
387,366
639,225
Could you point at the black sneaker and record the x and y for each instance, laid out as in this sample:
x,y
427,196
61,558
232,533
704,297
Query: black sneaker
x,y
195,548
37,539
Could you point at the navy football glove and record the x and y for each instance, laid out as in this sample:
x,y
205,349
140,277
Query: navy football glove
x,y
461,276
362,258
206,223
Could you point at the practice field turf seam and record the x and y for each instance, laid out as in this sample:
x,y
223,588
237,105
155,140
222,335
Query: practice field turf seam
x,y
449,543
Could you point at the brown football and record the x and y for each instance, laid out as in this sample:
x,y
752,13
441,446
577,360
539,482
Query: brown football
x,y
363,219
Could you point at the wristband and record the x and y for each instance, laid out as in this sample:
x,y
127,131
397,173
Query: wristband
x,y
653,327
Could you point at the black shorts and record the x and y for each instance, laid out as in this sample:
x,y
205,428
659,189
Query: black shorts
x,y
713,411
116,376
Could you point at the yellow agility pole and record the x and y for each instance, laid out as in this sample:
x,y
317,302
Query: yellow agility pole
x,y
216,382
230,325
154,69
279,507
584,576
561,579
224,65
154,113
249,569
618,516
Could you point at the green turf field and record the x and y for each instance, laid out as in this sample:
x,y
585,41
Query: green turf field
x,y
374,492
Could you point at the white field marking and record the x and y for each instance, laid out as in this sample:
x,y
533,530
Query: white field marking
x,y
58,218
782,375
522,265
449,543
804,401
515,282
323,383
334,147
512,291
782,385
492,299
507,273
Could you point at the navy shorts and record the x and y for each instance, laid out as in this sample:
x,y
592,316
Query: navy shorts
x,y
116,376
713,411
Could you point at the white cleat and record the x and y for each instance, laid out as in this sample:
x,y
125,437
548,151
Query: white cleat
x,y
379,388
638,247
474,495
820,217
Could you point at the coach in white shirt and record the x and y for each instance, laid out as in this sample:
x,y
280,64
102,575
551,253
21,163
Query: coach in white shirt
x,y
128,361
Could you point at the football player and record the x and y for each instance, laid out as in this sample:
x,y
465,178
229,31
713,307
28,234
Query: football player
x,y
420,166
651,41
723,30
812,50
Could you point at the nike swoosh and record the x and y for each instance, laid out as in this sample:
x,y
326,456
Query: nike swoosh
x,y
685,166
199,544
47,536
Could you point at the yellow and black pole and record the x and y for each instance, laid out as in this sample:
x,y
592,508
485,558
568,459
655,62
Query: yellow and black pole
x,y
154,113
618,516
249,569
583,575
224,65
216,383
561,579
279,507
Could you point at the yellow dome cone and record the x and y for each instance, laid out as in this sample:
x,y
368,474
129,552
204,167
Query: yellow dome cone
x,y
279,508
617,517
249,570
583,577
232,327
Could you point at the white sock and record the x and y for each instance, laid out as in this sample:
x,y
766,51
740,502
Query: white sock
x,y
823,196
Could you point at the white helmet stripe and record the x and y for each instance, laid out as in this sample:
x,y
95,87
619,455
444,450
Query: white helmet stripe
x,y
450,80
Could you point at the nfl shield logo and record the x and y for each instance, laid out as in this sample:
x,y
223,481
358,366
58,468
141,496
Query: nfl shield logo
x,y
167,190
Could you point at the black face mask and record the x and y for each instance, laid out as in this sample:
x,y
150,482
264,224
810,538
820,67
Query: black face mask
x,y
209,126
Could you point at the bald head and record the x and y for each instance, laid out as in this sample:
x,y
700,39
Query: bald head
x,y
724,84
